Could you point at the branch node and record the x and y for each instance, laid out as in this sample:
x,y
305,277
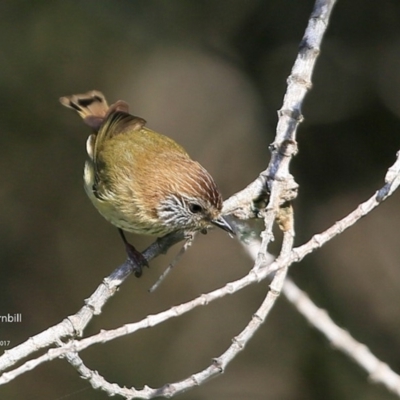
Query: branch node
x,y
258,318
217,363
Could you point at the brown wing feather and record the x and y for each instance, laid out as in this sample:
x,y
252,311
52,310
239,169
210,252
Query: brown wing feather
x,y
116,123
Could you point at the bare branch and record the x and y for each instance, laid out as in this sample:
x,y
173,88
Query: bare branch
x,y
243,205
378,371
219,364
74,325
258,273
269,197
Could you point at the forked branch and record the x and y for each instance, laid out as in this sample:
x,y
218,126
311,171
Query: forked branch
x,y
269,197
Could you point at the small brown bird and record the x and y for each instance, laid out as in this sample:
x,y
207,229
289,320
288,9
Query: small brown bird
x,y
142,181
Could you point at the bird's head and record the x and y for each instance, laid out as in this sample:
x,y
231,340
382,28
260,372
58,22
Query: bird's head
x,y
193,201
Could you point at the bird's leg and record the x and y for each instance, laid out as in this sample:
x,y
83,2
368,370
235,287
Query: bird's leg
x,y
135,257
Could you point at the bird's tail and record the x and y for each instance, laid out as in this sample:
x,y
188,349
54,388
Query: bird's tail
x,y
91,106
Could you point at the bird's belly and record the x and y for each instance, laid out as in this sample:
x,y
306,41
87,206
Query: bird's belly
x,y
125,216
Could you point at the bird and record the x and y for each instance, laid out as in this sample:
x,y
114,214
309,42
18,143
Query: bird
x,y
142,181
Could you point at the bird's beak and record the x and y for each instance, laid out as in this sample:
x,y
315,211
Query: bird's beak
x,y
223,224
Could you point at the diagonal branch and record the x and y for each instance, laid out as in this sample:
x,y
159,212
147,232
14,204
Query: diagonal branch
x,y
244,204
378,371
74,325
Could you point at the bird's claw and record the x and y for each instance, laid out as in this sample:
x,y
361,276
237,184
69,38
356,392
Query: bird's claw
x,y
136,259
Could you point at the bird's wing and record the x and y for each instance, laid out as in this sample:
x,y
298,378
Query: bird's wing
x,y
115,124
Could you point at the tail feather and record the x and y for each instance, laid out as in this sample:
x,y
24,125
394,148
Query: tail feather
x,y
91,106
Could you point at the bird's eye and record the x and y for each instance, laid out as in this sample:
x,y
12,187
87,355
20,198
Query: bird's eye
x,y
195,208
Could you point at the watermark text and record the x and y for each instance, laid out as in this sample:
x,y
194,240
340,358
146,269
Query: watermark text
x,y
10,318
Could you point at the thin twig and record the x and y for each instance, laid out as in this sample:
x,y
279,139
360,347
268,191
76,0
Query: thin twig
x,y
172,264
378,371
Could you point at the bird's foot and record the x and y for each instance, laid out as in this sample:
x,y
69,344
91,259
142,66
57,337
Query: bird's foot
x,y
136,259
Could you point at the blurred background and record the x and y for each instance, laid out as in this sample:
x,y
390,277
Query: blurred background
x,y
212,75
